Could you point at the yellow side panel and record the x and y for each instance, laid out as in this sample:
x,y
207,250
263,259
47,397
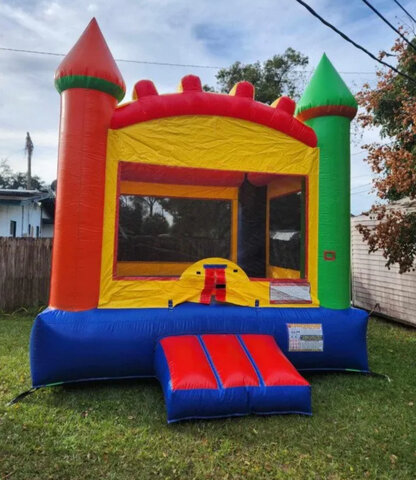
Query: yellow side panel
x,y
219,143
191,191
279,272
151,269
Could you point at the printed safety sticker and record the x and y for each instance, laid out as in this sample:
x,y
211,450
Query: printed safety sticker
x,y
305,337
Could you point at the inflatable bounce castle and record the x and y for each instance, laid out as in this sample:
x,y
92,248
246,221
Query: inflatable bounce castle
x,y
200,238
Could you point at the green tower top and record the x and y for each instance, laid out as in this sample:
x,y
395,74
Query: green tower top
x,y
326,94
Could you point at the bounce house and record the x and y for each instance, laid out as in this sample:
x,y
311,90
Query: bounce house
x,y
200,238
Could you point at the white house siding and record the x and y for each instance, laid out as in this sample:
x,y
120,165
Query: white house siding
x,y
373,282
7,213
23,215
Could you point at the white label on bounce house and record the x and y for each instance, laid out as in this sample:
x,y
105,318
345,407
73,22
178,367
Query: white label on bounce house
x,y
290,292
305,337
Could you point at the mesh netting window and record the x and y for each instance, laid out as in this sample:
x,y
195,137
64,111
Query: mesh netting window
x,y
168,229
286,232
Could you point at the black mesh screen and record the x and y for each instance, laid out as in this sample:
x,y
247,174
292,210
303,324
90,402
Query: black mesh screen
x,y
167,229
285,231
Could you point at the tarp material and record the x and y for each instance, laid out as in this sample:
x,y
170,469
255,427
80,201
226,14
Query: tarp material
x,y
211,376
113,343
202,142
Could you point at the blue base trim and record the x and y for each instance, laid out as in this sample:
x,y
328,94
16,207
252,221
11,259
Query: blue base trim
x,y
116,343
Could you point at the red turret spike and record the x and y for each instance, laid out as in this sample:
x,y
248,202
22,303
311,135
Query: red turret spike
x,y
89,64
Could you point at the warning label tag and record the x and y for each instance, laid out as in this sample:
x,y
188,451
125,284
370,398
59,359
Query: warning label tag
x,y
290,292
305,337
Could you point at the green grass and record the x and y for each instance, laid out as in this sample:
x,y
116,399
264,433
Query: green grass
x,y
362,427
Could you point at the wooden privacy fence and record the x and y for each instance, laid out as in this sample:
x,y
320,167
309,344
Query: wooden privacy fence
x,y
25,268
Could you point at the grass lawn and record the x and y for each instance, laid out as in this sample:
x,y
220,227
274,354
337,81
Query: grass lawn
x,y
362,427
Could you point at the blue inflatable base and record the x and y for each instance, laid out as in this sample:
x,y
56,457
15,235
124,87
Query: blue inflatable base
x,y
204,403
120,343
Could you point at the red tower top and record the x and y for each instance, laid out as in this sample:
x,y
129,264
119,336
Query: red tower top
x,y
89,64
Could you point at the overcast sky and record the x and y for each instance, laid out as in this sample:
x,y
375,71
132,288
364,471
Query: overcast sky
x,y
203,32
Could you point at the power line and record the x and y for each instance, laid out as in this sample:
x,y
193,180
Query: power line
x,y
349,40
358,73
360,176
31,51
366,188
38,52
371,7
360,193
362,185
165,64
404,10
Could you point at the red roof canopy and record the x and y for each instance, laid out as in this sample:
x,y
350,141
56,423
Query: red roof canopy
x,y
149,105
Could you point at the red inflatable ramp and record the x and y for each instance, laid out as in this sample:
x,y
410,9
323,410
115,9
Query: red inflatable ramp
x,y
218,375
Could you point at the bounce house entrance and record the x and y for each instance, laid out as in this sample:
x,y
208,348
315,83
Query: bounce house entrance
x,y
169,219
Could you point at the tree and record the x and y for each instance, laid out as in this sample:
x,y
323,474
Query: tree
x,y
391,106
155,224
15,180
277,76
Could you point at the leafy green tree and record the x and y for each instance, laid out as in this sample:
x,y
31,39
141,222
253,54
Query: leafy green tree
x,y
198,218
155,224
15,180
201,228
280,75
130,215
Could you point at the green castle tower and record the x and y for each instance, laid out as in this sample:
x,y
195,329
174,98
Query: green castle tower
x,y
328,107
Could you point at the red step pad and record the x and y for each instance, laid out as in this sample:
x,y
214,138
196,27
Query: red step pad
x,y
217,375
231,362
188,364
275,369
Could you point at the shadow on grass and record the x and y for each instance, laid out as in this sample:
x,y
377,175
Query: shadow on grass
x,y
118,398
143,400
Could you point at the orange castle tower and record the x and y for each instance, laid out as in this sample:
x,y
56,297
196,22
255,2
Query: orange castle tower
x,y
90,85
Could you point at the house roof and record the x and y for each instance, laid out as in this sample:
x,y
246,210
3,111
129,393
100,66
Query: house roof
x,y
21,196
405,205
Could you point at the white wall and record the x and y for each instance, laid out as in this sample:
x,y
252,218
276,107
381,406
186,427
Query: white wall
x,y
23,215
7,213
373,282
32,217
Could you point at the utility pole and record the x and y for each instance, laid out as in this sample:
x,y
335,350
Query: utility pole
x,y
29,149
